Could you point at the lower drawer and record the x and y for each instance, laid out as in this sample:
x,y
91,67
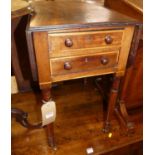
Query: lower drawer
x,y
74,65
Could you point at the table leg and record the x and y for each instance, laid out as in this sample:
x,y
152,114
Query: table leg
x,y
117,104
46,96
112,102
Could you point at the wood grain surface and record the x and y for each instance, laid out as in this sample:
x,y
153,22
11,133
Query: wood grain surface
x,y
55,14
126,7
136,4
84,64
19,8
86,39
42,58
78,124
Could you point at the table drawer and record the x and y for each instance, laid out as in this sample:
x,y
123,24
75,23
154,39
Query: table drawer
x,y
71,65
63,43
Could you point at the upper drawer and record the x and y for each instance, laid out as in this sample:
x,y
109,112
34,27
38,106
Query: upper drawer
x,y
79,40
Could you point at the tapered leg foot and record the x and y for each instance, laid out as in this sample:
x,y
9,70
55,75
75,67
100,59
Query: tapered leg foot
x,y
50,136
46,96
111,103
117,104
107,127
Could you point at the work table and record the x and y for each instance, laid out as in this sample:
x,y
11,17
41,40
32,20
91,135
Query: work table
x,y
70,40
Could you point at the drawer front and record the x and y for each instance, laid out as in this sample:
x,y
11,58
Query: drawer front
x,y
65,42
71,65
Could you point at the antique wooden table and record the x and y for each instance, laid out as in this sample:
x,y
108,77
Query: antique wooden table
x,y
70,40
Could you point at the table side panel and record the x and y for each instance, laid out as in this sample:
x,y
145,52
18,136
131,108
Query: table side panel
x,y
125,48
42,58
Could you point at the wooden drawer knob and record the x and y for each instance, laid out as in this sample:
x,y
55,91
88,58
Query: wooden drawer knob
x,y
104,60
67,66
68,42
108,39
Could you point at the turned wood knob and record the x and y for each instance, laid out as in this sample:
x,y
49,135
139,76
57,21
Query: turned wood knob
x,y
67,66
68,42
104,60
108,39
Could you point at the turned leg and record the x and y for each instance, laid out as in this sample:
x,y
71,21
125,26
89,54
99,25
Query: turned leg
x,y
112,102
46,96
